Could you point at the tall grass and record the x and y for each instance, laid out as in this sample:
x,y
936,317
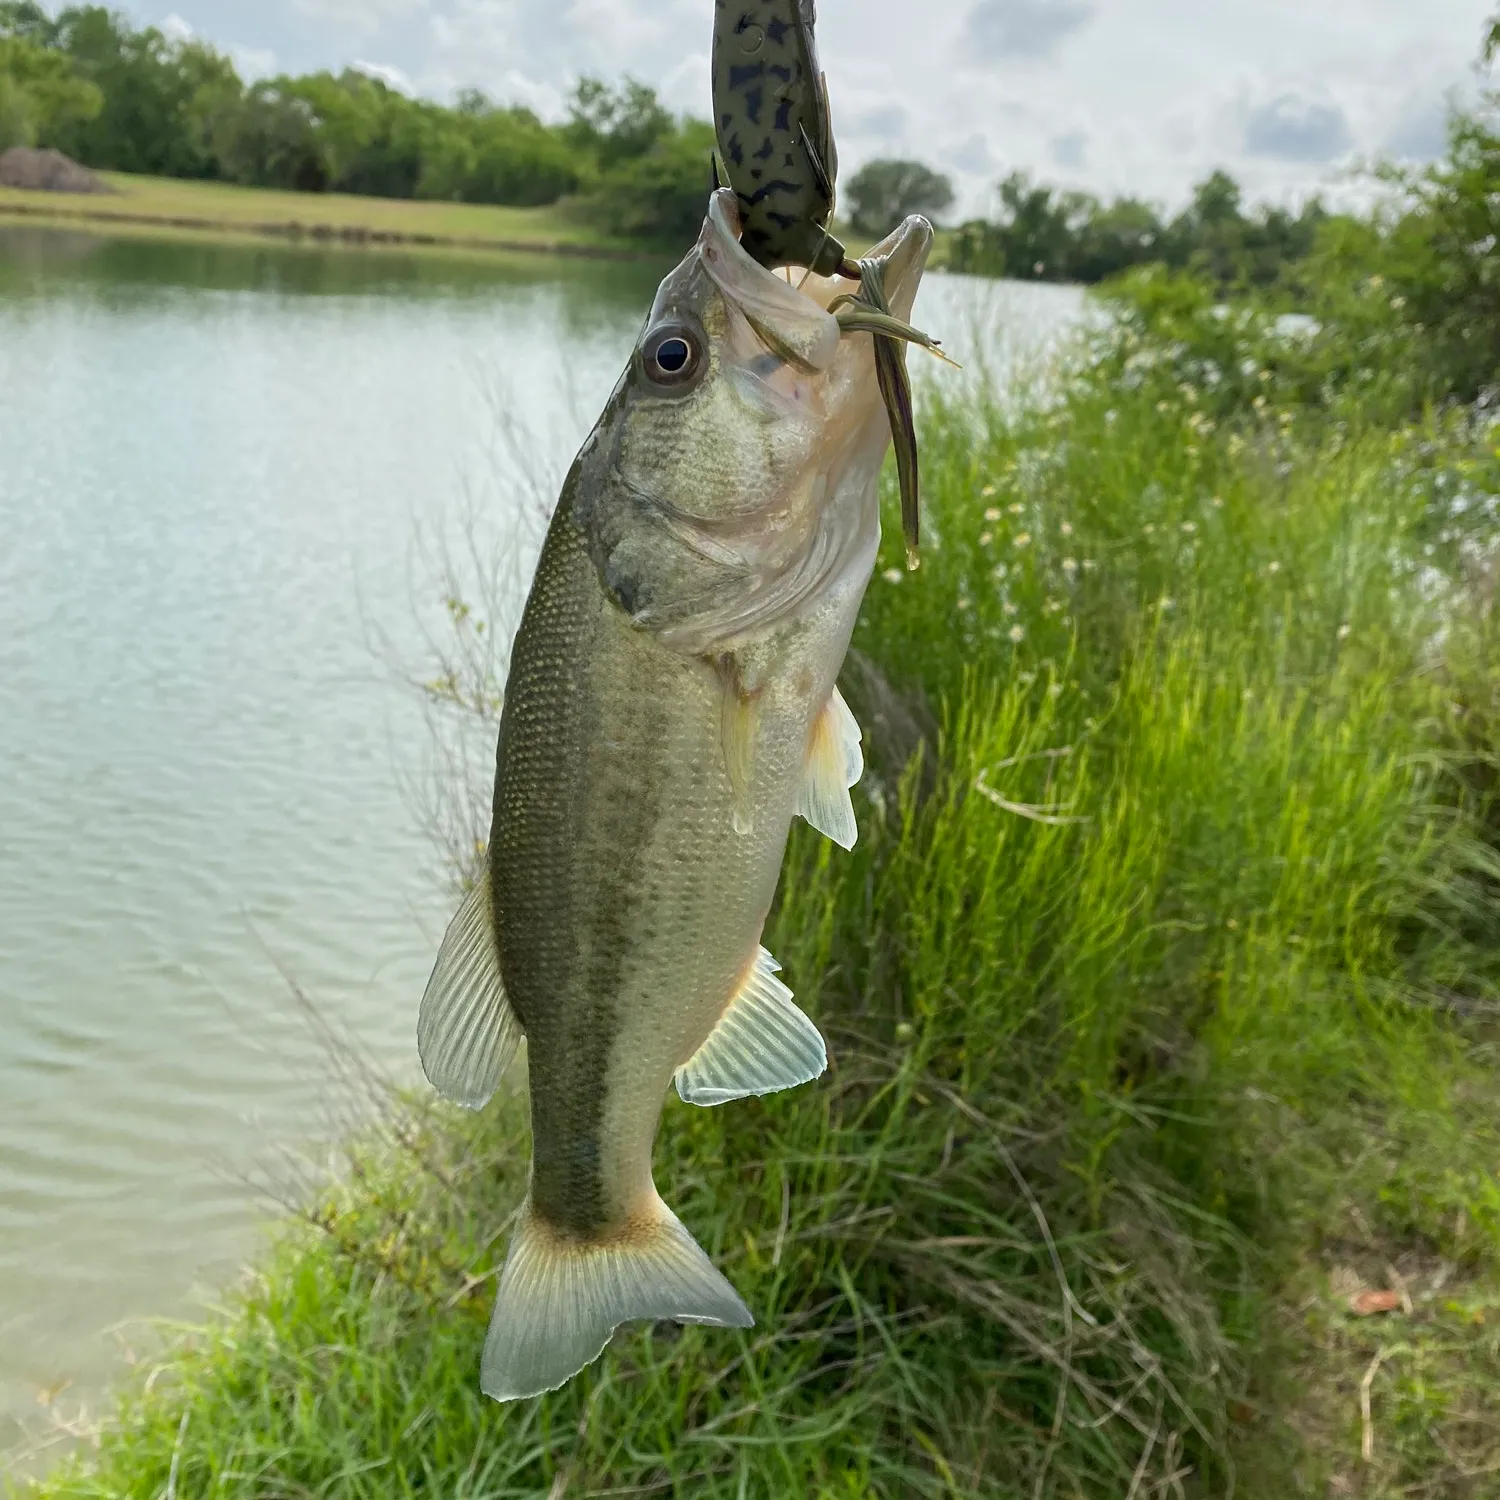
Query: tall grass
x,y
1163,959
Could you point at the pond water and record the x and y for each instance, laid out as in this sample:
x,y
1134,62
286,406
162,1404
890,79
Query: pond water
x,y
215,466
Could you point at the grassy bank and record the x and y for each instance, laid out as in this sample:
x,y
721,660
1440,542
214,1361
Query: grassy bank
x,y
171,205
1159,993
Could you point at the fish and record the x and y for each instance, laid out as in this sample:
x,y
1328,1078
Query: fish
x,y
775,132
671,707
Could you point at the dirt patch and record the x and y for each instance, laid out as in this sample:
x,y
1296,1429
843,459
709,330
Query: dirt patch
x,y
47,172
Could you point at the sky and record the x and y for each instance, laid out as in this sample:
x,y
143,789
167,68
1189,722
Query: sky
x,y
1144,97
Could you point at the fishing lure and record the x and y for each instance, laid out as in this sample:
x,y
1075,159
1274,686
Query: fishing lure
x,y
775,137
775,133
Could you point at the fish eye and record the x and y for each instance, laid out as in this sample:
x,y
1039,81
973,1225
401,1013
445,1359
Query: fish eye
x,y
672,355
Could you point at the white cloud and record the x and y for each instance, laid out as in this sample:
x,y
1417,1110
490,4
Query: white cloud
x,y
388,74
253,63
1024,28
175,29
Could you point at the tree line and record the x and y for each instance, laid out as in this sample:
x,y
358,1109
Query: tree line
x,y
1044,234
122,98
119,97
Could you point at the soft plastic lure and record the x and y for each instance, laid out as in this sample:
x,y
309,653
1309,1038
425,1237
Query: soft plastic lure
x,y
775,137
775,133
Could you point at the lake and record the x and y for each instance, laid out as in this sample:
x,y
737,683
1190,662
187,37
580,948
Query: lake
x,y
225,475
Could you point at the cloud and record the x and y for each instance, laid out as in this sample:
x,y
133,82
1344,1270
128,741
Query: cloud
x,y
253,63
392,77
1071,150
175,29
1024,28
886,122
974,156
1420,132
1298,129
357,21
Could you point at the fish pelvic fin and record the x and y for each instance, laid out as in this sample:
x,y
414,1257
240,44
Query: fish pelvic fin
x,y
835,763
467,1032
761,1044
561,1298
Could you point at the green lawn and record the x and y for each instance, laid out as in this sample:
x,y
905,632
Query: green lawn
x,y
1159,992
170,204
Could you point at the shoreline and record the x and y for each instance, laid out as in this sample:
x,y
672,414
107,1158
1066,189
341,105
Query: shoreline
x,y
294,231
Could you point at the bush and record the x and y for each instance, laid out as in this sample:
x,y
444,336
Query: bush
x,y
659,197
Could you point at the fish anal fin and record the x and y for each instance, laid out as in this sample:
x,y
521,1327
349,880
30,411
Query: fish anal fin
x,y
560,1298
761,1044
834,763
467,1032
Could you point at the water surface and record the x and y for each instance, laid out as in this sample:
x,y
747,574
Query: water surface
x,y
213,464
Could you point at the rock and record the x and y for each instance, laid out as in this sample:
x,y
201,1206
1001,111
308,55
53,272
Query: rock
x,y
47,171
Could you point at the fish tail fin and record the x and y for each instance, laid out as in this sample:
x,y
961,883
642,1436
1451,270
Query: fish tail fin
x,y
560,1299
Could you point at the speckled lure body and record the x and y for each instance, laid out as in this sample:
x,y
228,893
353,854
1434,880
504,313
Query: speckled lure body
x,y
774,131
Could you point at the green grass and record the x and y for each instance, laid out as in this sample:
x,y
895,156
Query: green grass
x,y
1158,994
172,205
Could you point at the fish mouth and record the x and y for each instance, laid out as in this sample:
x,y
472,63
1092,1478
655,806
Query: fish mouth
x,y
794,318
902,258
791,312
794,325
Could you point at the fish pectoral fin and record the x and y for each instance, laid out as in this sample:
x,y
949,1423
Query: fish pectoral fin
x,y
467,1032
835,763
761,1045
560,1299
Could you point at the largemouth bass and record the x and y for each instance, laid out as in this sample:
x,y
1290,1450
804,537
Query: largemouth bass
x,y
671,706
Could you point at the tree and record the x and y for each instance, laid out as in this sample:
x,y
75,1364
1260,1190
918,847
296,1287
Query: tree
x,y
883,192
22,18
40,99
660,196
151,88
615,125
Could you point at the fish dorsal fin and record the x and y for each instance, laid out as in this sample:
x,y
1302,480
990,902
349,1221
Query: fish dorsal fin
x,y
834,764
467,1032
762,1043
